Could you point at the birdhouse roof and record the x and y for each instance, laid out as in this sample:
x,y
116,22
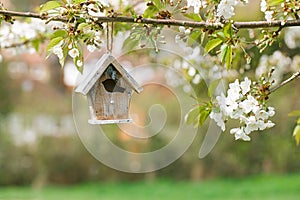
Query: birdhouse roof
x,y
90,79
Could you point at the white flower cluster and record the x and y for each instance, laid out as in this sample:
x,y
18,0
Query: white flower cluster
x,y
292,37
197,4
240,105
264,9
182,37
277,60
20,32
226,8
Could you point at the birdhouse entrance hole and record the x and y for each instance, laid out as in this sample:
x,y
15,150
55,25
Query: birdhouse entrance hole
x,y
112,83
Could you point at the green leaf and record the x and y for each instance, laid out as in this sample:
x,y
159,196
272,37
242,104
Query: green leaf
x,y
212,44
221,35
78,1
228,58
296,134
36,44
294,113
81,26
131,43
58,33
274,2
197,116
203,116
193,16
159,3
212,87
193,116
195,35
53,42
50,5
150,11
223,54
228,30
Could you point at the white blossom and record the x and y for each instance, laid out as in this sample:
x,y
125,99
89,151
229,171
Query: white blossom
x,y
270,124
226,8
292,37
221,101
187,31
269,15
271,111
182,29
79,63
191,71
240,134
277,60
263,6
219,119
74,53
251,124
262,114
197,4
234,91
196,80
94,11
249,104
91,48
295,66
58,51
245,85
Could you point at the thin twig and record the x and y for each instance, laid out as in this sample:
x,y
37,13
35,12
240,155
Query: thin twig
x,y
169,22
293,77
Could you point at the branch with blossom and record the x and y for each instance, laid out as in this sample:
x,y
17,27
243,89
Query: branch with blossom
x,y
71,25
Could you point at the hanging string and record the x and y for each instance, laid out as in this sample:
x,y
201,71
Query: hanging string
x,y
109,37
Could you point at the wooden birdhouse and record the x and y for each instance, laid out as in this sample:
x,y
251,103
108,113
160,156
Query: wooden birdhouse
x,y
108,88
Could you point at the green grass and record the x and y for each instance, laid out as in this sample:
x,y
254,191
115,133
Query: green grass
x,y
262,187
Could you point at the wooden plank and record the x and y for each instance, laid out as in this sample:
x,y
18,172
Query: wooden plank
x,y
91,106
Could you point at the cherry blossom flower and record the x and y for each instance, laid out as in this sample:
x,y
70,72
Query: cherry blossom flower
x,y
263,6
240,134
245,86
74,53
197,4
269,15
219,119
79,63
225,8
58,51
249,104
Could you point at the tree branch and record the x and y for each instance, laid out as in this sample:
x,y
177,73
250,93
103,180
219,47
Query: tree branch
x,y
293,77
169,22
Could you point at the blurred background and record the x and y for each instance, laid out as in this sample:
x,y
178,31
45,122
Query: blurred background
x,y
39,145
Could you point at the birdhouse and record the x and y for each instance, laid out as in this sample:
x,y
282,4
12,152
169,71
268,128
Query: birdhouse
x,y
108,88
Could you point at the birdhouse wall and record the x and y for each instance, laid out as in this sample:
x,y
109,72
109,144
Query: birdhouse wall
x,y
110,105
